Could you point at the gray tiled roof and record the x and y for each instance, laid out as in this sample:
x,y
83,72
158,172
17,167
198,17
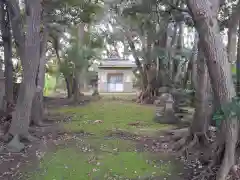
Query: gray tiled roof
x,y
117,63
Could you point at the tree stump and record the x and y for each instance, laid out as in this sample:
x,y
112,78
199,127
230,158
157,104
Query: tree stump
x,y
164,110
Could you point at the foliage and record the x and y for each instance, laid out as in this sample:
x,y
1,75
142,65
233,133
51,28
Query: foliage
x,y
81,54
228,111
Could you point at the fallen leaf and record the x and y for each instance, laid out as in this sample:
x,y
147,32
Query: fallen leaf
x,y
98,121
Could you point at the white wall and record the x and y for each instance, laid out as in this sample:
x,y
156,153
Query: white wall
x,y
127,78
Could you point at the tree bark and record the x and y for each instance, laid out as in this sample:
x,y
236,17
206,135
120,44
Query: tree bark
x,y
69,87
137,61
206,24
203,106
238,64
2,90
232,42
30,57
38,108
171,54
76,85
232,33
194,64
7,43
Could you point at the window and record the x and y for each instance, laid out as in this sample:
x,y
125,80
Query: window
x,y
115,82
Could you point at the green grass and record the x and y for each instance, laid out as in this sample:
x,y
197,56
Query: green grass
x,y
115,115
98,158
88,166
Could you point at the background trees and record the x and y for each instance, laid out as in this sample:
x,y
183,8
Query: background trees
x,y
176,44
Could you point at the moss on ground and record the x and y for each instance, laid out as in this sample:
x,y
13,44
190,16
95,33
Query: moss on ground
x,y
98,158
70,164
114,115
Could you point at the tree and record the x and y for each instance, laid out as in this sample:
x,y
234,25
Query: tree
x,y
150,29
80,55
237,64
28,46
7,43
209,17
205,17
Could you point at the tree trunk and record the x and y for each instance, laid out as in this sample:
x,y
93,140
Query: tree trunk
x,y
194,64
203,107
206,24
76,86
7,43
187,76
38,108
238,64
137,61
171,53
2,90
30,61
232,42
179,46
69,87
232,33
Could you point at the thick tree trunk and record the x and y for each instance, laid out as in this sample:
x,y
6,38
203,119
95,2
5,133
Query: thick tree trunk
x,y
203,106
220,75
30,61
7,43
38,107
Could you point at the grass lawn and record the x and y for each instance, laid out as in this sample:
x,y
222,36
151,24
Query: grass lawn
x,y
114,116
97,157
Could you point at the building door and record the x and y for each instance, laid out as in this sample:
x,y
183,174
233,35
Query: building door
x,y
115,82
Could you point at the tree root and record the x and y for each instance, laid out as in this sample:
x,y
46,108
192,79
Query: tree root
x,y
41,124
205,174
6,137
227,163
15,145
28,137
214,163
220,158
236,174
35,129
190,145
146,96
183,141
178,133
